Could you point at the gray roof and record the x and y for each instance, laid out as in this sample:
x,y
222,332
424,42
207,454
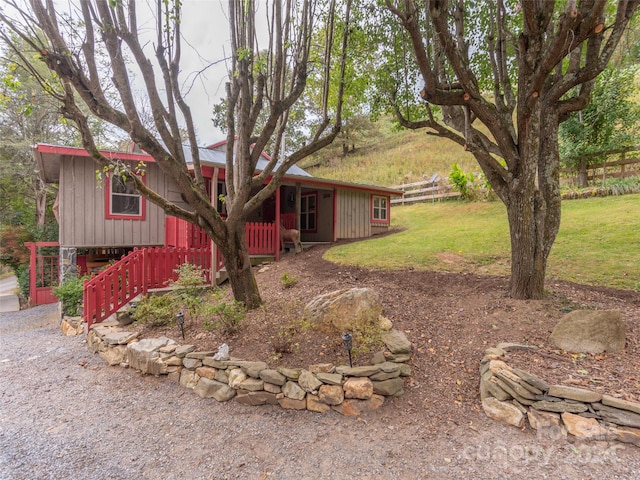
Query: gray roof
x,y
219,157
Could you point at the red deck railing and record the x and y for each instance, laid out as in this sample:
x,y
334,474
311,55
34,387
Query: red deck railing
x,y
154,267
134,275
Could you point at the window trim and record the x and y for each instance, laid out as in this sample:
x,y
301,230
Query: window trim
x,y
307,195
121,216
380,221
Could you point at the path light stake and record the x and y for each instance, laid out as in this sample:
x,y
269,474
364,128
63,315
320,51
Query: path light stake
x,y
347,340
180,317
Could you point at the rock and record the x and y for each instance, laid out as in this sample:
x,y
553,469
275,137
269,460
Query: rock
x,y
397,342
494,390
252,369
207,372
330,378
354,407
625,435
358,387
188,378
621,404
331,394
223,352
271,388
222,376
624,418
168,348
257,398
198,355
119,338
308,381
503,412
236,377
315,405
584,428
206,388
405,370
495,352
540,420
321,368
531,379
559,407
224,393
173,361
293,390
380,376
273,376
385,324
144,356
191,363
290,373
182,350
573,393
292,404
507,388
389,388
174,376
72,326
114,355
252,385
364,371
590,331
344,310
378,357
512,347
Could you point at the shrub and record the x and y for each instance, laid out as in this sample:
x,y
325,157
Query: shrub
x,y
156,310
69,292
462,182
288,280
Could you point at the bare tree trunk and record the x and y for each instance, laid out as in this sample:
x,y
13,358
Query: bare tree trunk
x,y
534,205
238,264
583,178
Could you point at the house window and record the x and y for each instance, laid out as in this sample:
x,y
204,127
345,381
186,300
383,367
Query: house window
x,y
123,200
308,212
380,209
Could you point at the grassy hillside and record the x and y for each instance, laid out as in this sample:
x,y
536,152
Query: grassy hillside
x,y
597,243
387,157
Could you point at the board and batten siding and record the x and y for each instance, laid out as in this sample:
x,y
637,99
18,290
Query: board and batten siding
x,y
354,214
82,210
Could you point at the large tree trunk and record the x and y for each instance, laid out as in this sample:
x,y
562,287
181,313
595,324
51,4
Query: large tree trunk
x,y
534,205
238,264
583,179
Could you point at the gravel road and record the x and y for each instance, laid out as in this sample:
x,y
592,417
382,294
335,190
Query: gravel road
x,y
66,415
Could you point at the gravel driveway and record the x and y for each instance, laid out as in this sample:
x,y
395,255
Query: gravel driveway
x,y
66,415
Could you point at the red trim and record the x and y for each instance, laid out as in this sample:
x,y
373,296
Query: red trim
x,y
277,225
81,152
107,204
378,221
335,214
315,222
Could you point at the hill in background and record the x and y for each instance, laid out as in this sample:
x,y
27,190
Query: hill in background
x,y
385,156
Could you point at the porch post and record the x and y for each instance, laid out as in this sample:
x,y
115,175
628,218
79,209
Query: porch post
x,y
298,206
32,270
214,247
276,241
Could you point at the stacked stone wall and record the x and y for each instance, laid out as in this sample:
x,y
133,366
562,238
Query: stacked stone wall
x,y
319,388
515,397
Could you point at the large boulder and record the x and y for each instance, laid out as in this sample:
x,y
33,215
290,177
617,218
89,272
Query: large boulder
x,y
343,310
590,331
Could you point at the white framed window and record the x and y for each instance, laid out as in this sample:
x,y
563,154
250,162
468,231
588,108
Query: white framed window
x,y
379,209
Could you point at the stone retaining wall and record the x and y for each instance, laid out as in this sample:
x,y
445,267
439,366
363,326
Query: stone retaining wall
x,y
511,395
319,388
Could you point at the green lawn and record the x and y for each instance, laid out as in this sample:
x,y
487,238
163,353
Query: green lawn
x,y
598,242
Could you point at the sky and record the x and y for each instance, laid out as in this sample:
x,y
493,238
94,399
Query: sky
x,y
205,33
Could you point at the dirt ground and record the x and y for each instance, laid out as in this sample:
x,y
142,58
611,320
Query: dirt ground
x,y
450,319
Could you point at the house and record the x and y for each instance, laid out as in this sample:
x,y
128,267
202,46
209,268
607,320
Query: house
x,y
101,219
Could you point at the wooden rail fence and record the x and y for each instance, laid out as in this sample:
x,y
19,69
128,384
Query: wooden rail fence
x,y
425,191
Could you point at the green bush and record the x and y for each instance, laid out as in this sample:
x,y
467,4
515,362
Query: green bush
x,y
224,316
462,182
156,310
288,280
69,293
